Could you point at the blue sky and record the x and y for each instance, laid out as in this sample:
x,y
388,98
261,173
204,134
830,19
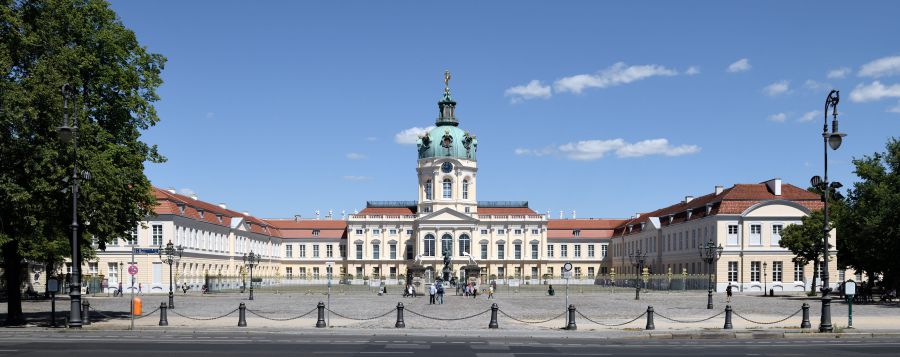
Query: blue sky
x,y
282,108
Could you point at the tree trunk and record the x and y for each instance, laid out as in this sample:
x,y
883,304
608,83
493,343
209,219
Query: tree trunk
x,y
12,272
812,288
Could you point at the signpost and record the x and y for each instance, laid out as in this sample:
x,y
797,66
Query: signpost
x,y
567,273
52,288
329,266
850,291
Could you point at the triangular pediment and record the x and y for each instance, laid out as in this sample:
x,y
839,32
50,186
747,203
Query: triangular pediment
x,y
447,215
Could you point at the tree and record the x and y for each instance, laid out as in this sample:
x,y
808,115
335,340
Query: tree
x,y
872,222
805,240
43,45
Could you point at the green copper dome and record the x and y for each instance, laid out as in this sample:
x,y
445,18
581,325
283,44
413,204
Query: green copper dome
x,y
447,139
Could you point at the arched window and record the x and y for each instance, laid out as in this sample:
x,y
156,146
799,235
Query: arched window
x,y
448,188
447,244
464,244
428,190
429,245
465,189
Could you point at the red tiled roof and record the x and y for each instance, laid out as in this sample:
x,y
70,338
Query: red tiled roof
x,y
388,210
167,203
583,234
587,223
308,223
506,210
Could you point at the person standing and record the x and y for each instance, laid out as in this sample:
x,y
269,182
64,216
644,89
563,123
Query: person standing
x,y
432,291
140,288
728,293
491,291
119,291
440,292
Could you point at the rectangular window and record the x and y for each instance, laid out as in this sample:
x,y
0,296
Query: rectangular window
x,y
563,251
501,272
288,251
732,272
132,237
591,272
409,232
798,272
517,250
591,251
392,232
603,249
501,251
534,272
535,231
157,235
289,273
376,251
732,235
754,271
549,251
315,232
93,268
376,232
577,272
755,234
578,251
518,232
315,250
359,251
484,251
315,273
448,188
776,234
819,272
113,272
343,250
534,251
393,251
393,272
501,231
301,251
329,251
484,231
359,232
776,271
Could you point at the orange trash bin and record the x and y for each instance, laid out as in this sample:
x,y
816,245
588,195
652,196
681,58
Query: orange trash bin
x,y
136,306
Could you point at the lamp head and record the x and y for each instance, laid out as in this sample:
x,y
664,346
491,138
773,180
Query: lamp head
x,y
66,133
835,140
815,181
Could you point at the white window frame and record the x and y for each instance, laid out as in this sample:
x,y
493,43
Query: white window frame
x,y
776,236
733,238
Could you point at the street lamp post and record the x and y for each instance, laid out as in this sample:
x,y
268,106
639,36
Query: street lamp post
x,y
251,260
68,133
709,252
831,139
765,287
637,259
170,255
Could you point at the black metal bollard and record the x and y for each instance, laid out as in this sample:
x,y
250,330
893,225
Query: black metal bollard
x,y
400,323
493,323
242,315
805,323
163,316
728,325
650,325
571,325
85,312
321,322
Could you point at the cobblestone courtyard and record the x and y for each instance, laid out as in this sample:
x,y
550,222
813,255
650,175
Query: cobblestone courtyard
x,y
354,306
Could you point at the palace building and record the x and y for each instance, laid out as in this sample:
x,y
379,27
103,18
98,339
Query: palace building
x,y
507,240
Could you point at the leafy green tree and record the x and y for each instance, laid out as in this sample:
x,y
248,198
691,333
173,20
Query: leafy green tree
x,y
43,45
805,240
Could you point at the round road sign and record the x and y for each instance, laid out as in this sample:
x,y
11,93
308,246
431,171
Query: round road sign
x,y
567,267
132,269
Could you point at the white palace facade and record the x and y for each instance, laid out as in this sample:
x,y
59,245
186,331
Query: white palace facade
x,y
507,239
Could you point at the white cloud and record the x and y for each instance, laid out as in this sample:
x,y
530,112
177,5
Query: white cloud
x,y
816,86
616,74
809,116
355,156
894,109
187,191
778,117
692,70
777,88
874,91
839,72
357,178
741,65
409,136
587,150
881,67
533,89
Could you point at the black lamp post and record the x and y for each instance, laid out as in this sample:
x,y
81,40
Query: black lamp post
x,y
709,252
251,260
831,139
68,133
637,259
765,287
170,255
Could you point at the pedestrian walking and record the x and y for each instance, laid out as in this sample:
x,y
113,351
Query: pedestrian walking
x,y
491,292
440,293
432,291
728,293
140,288
119,290
474,291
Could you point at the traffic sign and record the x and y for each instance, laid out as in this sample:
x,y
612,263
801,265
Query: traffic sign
x,y
132,269
567,266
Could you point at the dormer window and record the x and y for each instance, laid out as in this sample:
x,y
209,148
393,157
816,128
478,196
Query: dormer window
x,y
671,218
180,207
219,217
576,233
643,224
315,232
708,208
688,214
630,227
200,212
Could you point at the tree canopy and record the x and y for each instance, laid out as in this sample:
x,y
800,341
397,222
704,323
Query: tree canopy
x,y
45,44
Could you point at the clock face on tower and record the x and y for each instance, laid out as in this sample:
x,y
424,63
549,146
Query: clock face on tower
x,y
446,167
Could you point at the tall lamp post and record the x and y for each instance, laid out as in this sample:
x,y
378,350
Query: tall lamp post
x,y
68,133
831,139
170,255
251,260
709,252
637,259
765,287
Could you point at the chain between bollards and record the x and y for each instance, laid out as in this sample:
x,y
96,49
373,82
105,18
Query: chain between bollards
x,y
650,325
805,323
728,325
85,312
400,323
321,321
163,317
493,323
571,324
242,315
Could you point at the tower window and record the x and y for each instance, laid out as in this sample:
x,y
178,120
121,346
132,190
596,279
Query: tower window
x,y
429,193
448,188
465,190
429,245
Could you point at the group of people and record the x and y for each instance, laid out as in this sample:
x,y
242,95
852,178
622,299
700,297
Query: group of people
x,y
436,293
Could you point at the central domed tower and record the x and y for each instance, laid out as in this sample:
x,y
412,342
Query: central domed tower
x,y
447,164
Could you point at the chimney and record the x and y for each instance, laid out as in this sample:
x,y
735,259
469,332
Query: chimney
x,y
774,186
719,189
573,214
561,214
343,214
223,206
688,199
317,214
194,196
636,215
330,214
246,213
171,189
296,217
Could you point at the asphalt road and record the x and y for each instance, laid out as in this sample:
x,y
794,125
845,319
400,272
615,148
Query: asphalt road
x,y
149,343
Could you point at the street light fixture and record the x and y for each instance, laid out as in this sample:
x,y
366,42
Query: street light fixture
x,y
765,287
709,252
169,255
251,260
831,139
637,259
68,133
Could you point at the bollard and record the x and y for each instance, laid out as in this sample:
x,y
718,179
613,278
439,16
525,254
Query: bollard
x,y
650,325
493,323
400,323
163,317
805,323
85,312
321,322
242,315
571,325
728,325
